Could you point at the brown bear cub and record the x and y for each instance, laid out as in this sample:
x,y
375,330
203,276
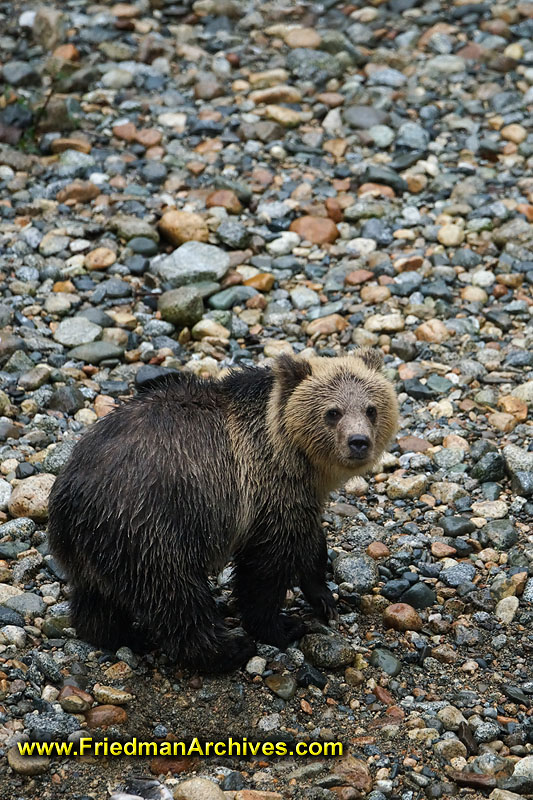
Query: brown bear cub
x,y
190,473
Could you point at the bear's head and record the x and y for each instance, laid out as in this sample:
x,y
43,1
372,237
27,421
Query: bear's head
x,y
342,412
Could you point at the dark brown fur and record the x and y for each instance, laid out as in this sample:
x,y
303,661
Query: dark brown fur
x,y
170,486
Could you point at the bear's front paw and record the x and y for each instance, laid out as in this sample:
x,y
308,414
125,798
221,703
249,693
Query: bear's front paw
x,y
231,654
282,632
324,605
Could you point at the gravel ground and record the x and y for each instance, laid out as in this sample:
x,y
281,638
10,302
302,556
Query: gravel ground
x,y
193,186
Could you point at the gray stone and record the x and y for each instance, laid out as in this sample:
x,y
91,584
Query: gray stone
x,y
50,725
458,574
20,73
182,307
233,234
56,458
385,661
74,331
27,604
326,651
313,65
95,352
517,459
21,528
232,296
364,117
501,533
191,262
490,467
129,227
360,571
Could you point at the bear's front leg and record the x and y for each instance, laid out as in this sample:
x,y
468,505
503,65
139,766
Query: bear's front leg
x,y
313,576
262,578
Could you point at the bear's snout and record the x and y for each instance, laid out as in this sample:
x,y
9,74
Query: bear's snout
x,y
359,446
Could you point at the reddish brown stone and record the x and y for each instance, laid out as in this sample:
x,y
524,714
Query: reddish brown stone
x,y
472,779
78,192
148,137
334,210
67,52
262,282
413,444
359,276
330,99
317,230
442,550
104,716
402,617
384,696
70,143
183,226
226,199
160,765
377,550
355,772
333,323
127,131
376,189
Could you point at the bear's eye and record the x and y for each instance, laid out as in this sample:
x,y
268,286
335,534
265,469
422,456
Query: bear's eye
x,y
372,413
333,415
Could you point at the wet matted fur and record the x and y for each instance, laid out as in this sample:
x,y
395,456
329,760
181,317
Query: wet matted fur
x,y
190,473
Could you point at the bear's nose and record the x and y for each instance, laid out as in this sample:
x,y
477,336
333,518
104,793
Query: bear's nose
x,y
359,445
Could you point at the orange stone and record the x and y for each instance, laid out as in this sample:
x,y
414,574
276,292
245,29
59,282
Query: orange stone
x,y
103,405
432,331
330,99
502,422
73,691
78,192
126,131
416,183
359,276
526,210
63,286
515,406
160,765
66,52
155,153
413,444
148,137
402,617
257,301
224,198
70,143
375,294
101,258
125,11
183,226
333,323
104,716
384,696
334,210
377,550
376,189
317,230
408,264
262,282
442,550
337,147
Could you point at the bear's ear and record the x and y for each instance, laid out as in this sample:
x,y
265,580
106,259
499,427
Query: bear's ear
x,y
371,358
289,372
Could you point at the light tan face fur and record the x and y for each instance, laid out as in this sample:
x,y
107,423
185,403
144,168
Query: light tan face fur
x,y
344,413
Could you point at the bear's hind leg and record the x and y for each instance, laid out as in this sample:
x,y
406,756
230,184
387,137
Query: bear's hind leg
x,y
190,629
